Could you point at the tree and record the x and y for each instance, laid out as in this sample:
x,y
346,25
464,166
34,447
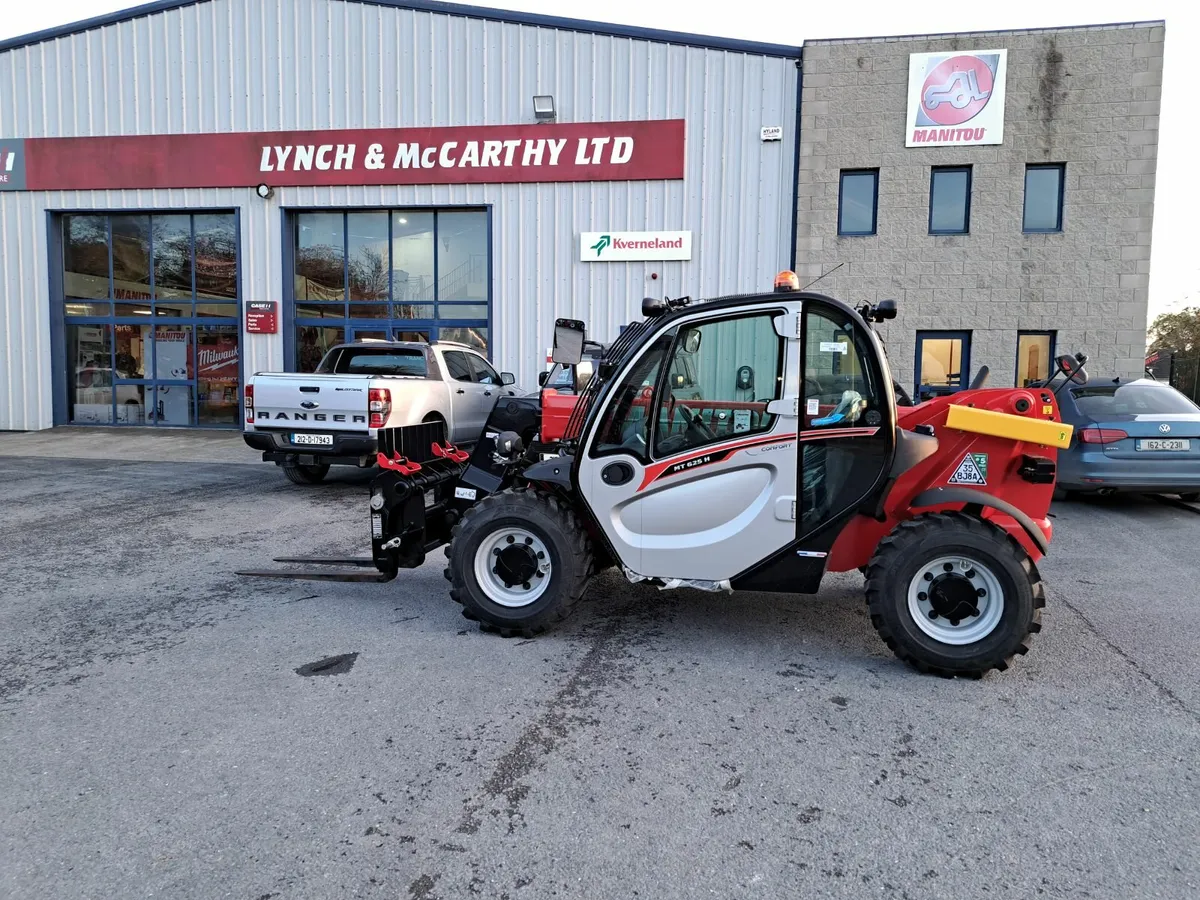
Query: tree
x,y
1176,331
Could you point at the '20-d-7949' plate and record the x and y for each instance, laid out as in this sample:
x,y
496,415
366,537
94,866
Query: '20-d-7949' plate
x,y
1165,444
320,440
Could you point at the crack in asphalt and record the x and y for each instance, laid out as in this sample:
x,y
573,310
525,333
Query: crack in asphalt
x,y
1158,684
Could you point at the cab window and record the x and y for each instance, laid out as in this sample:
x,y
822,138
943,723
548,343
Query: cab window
x,y
720,377
626,423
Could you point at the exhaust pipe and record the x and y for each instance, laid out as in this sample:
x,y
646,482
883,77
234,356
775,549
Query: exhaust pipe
x,y
1106,492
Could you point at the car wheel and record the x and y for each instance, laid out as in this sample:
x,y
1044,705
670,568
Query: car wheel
x,y
298,474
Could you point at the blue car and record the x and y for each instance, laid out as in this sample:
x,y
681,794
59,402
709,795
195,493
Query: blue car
x,y
1140,436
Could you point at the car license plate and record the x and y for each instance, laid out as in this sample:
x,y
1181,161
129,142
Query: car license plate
x,y
1168,444
319,440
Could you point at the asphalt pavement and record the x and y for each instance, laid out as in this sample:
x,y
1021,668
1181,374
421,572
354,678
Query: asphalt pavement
x,y
168,729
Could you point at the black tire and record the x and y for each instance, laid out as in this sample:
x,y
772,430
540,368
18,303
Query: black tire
x,y
567,544
298,474
898,561
1189,497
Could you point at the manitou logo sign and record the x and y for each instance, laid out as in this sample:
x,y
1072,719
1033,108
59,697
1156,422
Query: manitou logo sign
x,y
626,246
956,99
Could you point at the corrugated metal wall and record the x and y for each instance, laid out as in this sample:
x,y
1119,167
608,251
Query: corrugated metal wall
x,y
262,65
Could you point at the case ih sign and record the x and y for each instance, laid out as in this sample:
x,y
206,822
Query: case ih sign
x,y
956,99
595,151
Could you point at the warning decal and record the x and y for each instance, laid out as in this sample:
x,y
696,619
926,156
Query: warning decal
x,y
972,470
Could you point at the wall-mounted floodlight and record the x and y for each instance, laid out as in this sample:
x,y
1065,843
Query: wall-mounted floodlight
x,y
265,191
543,107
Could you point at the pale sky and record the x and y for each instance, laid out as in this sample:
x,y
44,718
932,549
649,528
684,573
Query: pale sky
x,y
1175,254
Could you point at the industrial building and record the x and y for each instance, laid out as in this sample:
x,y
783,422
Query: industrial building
x,y
999,186
195,190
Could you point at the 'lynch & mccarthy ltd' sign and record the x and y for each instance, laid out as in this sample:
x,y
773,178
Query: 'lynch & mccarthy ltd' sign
x,y
593,151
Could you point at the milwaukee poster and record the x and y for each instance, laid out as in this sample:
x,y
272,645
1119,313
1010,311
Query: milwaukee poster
x,y
594,151
956,99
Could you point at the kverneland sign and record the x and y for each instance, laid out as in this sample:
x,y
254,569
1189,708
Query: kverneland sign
x,y
594,151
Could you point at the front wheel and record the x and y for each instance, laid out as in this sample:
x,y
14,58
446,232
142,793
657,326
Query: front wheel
x,y
952,594
518,562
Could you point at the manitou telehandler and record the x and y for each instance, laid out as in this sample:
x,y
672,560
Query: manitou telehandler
x,y
748,443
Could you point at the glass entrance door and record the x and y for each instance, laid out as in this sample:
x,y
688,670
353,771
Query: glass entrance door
x,y
943,362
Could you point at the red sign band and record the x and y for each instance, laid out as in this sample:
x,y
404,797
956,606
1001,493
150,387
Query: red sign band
x,y
594,151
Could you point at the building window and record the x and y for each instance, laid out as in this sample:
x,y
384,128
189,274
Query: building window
x,y
943,362
950,200
1044,198
858,201
151,313
412,275
1035,350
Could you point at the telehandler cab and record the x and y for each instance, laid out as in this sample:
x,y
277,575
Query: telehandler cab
x,y
748,443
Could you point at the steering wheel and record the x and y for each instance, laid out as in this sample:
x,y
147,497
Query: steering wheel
x,y
694,421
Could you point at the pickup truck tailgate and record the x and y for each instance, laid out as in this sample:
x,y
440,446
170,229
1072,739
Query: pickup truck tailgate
x,y
299,402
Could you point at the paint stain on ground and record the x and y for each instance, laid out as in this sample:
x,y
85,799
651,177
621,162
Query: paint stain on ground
x,y
330,665
420,888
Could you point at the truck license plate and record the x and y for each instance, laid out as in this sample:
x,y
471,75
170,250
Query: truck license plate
x,y
1160,444
320,440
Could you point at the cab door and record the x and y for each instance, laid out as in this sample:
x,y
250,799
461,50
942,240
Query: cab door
x,y
691,470
847,438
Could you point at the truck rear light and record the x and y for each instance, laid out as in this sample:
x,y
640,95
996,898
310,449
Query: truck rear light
x,y
249,402
1102,435
379,405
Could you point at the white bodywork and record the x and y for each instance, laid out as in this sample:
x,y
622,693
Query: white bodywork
x,y
297,409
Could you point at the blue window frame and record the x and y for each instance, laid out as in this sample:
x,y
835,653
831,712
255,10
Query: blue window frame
x,y
149,306
858,202
1043,212
950,200
395,274
1035,356
943,362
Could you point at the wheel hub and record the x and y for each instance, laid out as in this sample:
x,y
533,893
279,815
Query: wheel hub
x,y
955,600
512,566
953,596
515,564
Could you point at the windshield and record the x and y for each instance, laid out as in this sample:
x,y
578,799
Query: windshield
x,y
1108,401
376,361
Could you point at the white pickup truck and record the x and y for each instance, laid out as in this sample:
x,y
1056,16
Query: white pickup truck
x,y
308,422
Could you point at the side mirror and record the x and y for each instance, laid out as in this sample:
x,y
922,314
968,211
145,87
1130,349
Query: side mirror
x,y
691,340
1072,367
569,335
507,378
542,376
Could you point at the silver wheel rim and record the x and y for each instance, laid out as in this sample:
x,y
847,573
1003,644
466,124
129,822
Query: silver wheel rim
x,y
492,582
989,600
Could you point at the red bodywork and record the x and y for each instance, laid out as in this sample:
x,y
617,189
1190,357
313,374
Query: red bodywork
x,y
856,544
556,410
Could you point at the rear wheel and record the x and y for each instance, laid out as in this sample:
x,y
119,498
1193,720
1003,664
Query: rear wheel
x,y
519,561
952,594
298,474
